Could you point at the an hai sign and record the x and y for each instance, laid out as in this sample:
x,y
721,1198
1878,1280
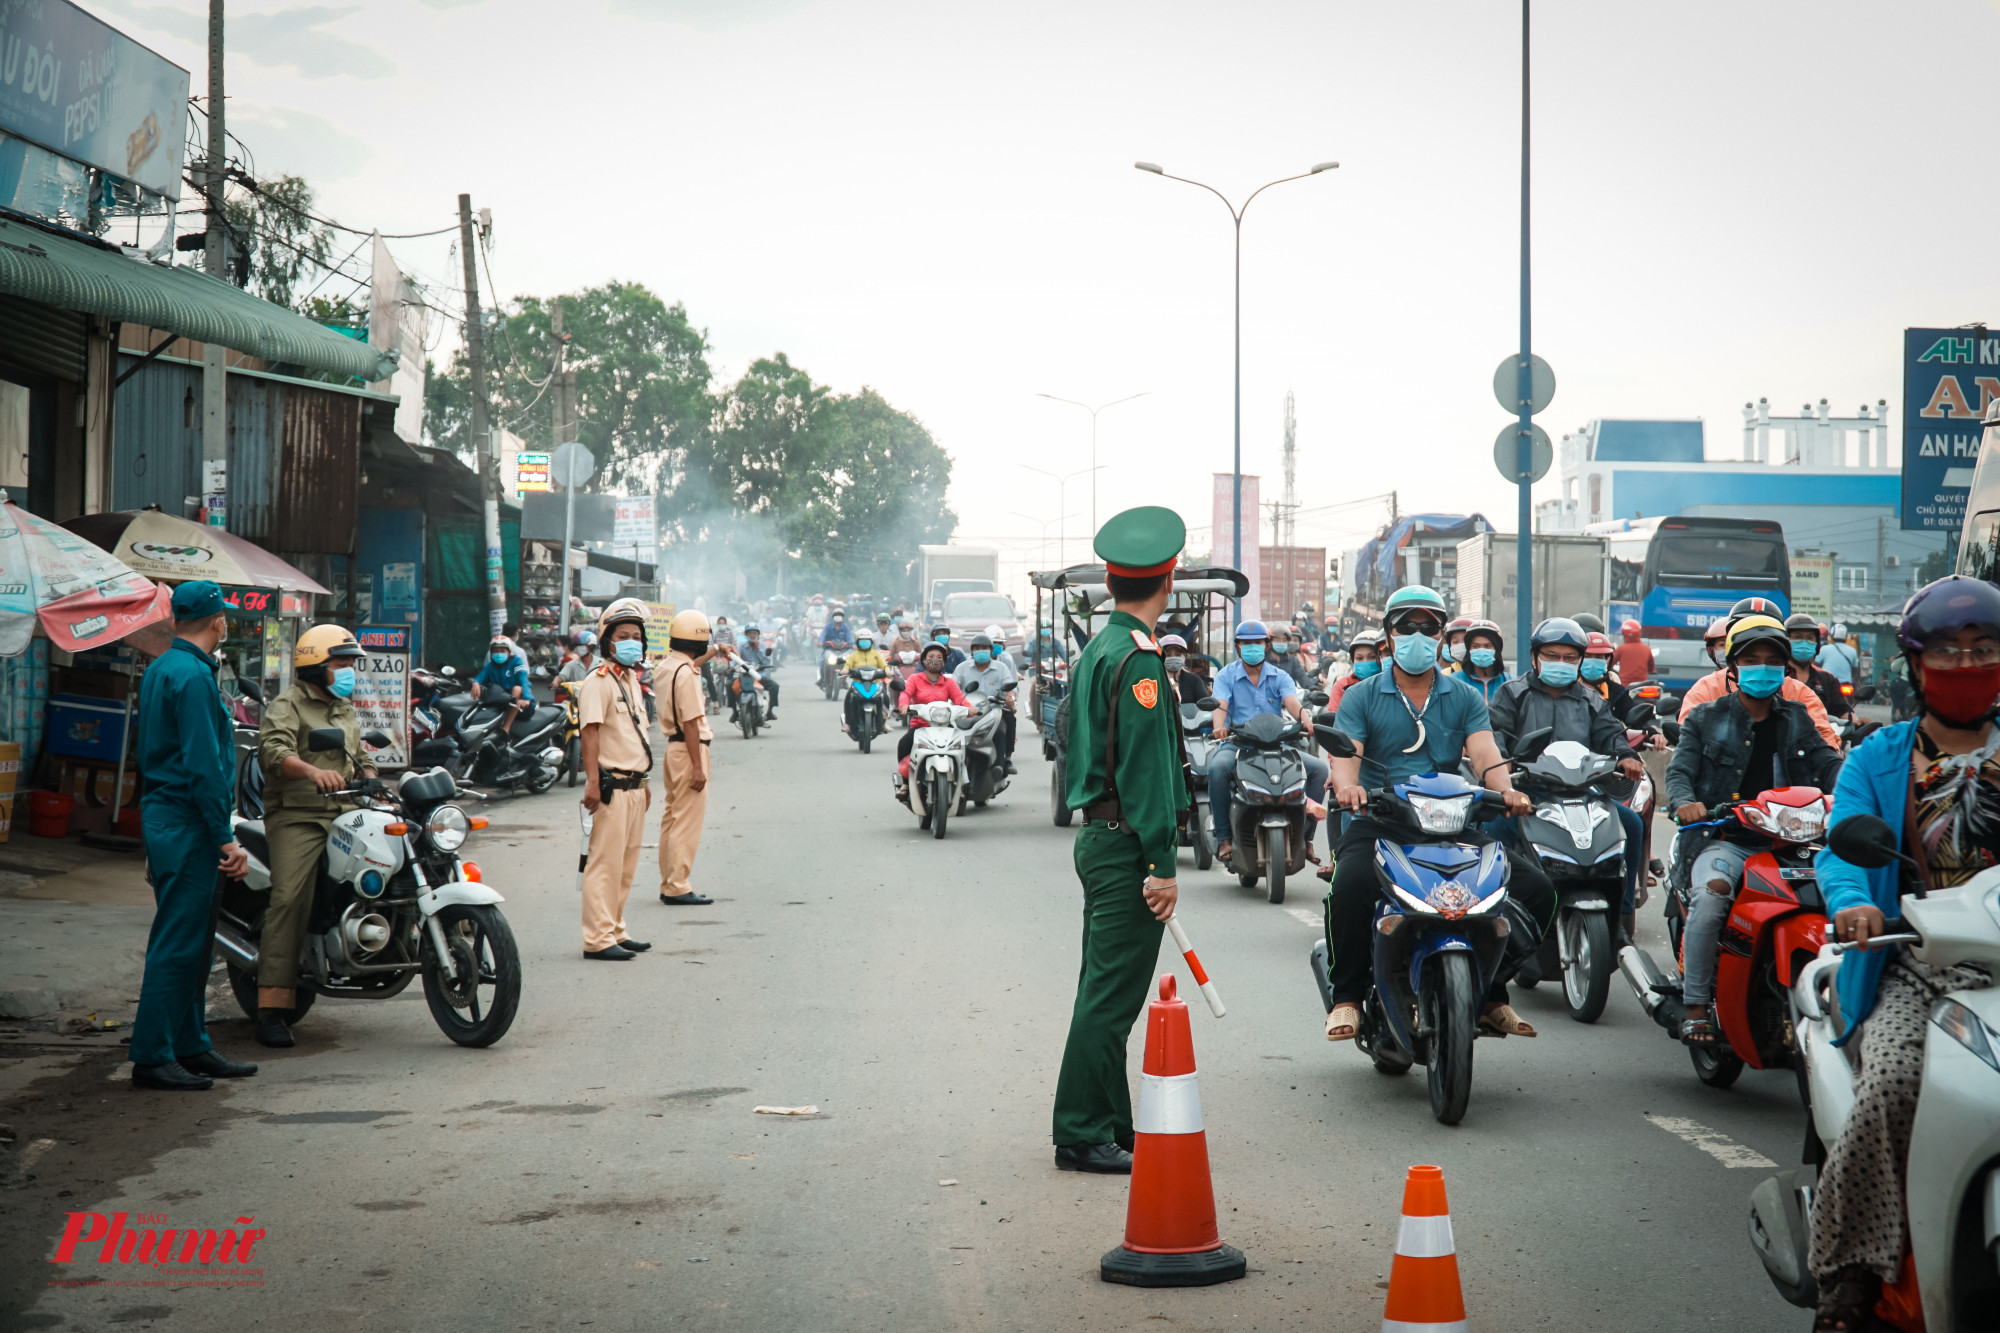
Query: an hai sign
x,y
1949,376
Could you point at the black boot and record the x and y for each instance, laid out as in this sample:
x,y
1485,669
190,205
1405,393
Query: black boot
x,y
271,1029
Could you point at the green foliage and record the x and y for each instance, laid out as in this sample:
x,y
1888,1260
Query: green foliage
x,y
271,224
1937,564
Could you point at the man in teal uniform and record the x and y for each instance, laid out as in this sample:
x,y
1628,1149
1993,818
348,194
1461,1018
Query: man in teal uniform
x,y
187,768
1125,775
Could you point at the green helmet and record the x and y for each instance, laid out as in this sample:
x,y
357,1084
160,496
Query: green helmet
x,y
1414,597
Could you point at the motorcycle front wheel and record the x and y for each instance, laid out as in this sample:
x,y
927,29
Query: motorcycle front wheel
x,y
573,758
476,1006
1452,995
1587,975
1715,1064
1204,850
940,800
1276,854
1059,807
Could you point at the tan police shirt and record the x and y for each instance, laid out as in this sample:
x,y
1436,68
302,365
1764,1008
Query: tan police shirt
x,y
607,697
282,734
677,684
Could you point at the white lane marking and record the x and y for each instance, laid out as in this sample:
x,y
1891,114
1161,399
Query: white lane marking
x,y
1719,1146
1306,917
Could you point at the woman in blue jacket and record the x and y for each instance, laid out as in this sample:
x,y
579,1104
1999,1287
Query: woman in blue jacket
x,y
1936,782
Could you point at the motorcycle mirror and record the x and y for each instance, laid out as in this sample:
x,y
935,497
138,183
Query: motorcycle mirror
x,y
1672,731
965,723
1863,693
1326,717
1865,841
1317,698
375,740
326,738
1337,742
1640,715
1529,748
970,687
1670,703
250,689
1209,704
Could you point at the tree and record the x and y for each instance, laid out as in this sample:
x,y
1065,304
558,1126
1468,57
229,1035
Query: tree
x,y
281,243
878,493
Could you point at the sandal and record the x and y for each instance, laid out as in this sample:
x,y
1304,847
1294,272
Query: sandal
x,y
1698,1032
1847,1302
1343,1029
1223,849
1502,1021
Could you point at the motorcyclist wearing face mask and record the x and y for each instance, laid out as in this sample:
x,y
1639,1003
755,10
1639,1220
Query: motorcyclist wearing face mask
x,y
503,673
1412,719
865,654
297,811
836,634
953,657
929,686
1597,673
1808,638
1364,660
1246,687
1485,665
904,640
1718,683
1734,748
1453,657
1187,686
1285,655
765,659
990,668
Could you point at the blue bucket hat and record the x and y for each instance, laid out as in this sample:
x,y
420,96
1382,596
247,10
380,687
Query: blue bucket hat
x,y
197,600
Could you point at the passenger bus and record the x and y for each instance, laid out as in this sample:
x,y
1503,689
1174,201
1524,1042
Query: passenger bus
x,y
1675,575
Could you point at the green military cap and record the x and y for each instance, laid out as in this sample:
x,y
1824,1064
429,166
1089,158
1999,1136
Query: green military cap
x,y
1142,542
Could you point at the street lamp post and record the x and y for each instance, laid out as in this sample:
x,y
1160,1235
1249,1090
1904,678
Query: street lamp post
x,y
1236,216
1062,505
1093,437
1045,524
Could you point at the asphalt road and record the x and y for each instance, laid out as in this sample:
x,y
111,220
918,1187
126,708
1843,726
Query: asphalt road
x,y
603,1166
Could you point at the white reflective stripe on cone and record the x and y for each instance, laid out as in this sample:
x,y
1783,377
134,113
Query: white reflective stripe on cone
x,y
1400,1326
1424,1238
1168,1105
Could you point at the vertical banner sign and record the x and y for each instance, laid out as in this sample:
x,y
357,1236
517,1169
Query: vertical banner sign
x,y
382,689
398,319
1812,586
1949,376
1223,524
659,615
632,521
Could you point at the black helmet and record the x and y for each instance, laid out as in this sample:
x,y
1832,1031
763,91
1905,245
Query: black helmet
x,y
1558,630
1756,606
1592,624
980,641
1799,620
933,647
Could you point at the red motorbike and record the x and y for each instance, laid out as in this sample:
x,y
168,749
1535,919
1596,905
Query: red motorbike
x,y
1776,926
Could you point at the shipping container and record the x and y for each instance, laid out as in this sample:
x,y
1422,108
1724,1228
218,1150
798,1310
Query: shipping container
x,y
1289,577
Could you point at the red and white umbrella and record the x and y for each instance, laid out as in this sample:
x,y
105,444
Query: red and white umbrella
x,y
84,596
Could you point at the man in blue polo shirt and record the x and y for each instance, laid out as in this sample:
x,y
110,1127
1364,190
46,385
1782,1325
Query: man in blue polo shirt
x,y
1412,719
1246,687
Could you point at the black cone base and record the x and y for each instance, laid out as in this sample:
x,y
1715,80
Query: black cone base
x,y
1203,1269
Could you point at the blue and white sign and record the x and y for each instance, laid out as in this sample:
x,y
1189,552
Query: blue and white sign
x,y
87,91
1949,376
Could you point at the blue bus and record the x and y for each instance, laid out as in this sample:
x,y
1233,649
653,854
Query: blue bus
x,y
1675,575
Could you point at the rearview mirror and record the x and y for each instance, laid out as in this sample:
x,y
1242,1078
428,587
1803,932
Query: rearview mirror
x,y
1317,698
321,739
1672,731
1529,748
970,687
1208,704
1640,715
1863,693
250,689
1865,841
375,740
1326,717
1337,742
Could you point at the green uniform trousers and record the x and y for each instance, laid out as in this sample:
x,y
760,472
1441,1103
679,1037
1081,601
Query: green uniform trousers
x,y
1121,948
181,861
297,839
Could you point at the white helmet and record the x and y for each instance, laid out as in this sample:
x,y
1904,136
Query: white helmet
x,y
995,633
1839,633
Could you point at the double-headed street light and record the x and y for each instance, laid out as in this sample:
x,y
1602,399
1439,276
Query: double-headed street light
x,y
1062,505
1236,216
1093,437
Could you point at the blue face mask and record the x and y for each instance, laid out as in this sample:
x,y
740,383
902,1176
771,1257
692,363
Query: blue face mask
x,y
1593,668
1281,648
341,681
628,652
942,638
501,659
864,644
1416,653
1760,682
1251,653
1482,657
1804,651
982,655
1557,674
1363,670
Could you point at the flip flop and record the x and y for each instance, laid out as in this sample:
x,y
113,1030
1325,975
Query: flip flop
x,y
1339,1029
1502,1021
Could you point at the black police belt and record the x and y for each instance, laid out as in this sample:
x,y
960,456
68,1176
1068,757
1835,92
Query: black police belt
x,y
686,739
612,779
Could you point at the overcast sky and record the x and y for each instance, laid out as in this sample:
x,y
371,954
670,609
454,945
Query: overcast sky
x,y
1733,200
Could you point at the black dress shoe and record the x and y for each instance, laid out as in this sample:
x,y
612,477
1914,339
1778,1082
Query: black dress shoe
x,y
611,953
214,1064
636,946
689,899
169,1077
271,1031
1104,1159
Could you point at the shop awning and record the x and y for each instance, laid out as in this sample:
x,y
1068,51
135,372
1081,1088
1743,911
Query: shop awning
x,y
71,274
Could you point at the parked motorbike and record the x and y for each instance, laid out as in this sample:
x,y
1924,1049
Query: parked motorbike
x,y
985,776
472,746
869,688
1775,927
1200,744
1950,1282
572,736
1440,929
748,696
1577,837
937,763
393,900
1267,805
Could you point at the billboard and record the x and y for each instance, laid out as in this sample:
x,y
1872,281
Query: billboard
x,y
87,91
632,522
1223,526
1949,376
1812,586
397,321
531,473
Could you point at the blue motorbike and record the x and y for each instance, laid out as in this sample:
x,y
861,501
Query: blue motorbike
x,y
867,705
1440,929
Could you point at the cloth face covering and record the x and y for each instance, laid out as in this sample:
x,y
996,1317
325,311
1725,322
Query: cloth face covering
x,y
341,682
628,652
1251,653
501,658
1416,653
1176,663
1962,696
1363,670
1458,652
1593,668
1482,657
1761,682
982,654
1558,674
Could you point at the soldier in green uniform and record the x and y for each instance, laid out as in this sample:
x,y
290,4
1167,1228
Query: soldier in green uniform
x,y
298,812
1125,775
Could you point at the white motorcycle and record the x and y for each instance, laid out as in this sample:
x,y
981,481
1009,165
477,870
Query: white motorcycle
x,y
1953,1175
937,764
393,900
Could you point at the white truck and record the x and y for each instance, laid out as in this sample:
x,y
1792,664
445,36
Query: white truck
x,y
950,569
1572,574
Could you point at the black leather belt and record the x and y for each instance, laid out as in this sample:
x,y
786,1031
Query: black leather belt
x,y
611,779
1108,810
683,738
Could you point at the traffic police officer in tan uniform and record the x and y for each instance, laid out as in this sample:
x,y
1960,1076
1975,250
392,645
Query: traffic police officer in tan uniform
x,y
297,811
617,789
684,721
1125,775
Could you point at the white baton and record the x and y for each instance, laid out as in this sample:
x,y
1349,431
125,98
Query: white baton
x,y
1208,991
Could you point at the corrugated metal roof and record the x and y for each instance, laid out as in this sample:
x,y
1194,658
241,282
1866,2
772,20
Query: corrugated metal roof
x,y
69,274
35,337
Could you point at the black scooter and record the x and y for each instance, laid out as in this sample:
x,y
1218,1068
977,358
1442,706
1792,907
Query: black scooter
x,y
1267,804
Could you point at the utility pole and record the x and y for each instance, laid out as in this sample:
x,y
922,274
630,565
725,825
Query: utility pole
x,y
1881,575
475,355
215,257
1525,467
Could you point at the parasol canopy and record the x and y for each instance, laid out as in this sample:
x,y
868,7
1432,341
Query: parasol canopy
x,y
174,550
84,596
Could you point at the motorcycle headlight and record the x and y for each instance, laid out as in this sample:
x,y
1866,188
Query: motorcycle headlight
x,y
1793,823
1963,1026
448,827
1441,814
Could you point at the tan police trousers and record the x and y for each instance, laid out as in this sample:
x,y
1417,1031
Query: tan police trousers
x,y
616,831
681,816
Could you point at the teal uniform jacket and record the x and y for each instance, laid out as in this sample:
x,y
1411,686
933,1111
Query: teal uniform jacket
x,y
186,752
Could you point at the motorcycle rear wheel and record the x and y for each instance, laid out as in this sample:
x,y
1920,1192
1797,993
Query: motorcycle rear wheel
x,y
1058,799
1387,1060
573,758
1275,856
474,1010
1716,1065
1204,851
1452,995
243,985
1587,975
940,798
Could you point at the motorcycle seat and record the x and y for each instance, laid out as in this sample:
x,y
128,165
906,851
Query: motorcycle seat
x,y
250,835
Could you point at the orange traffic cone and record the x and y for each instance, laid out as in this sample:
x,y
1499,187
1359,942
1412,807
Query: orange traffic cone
x,y
1423,1281
1170,1235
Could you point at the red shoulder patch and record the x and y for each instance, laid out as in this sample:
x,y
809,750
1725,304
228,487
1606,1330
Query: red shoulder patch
x,y
1146,691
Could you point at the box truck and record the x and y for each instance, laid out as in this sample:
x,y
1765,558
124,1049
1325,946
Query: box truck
x,y
950,569
1571,575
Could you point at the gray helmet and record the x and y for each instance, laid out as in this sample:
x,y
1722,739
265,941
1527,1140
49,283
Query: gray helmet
x,y
1558,630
